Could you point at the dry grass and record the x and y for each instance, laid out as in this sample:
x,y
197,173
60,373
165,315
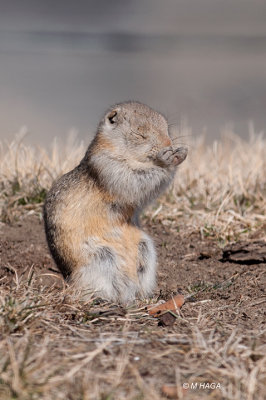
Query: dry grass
x,y
53,346
220,189
26,172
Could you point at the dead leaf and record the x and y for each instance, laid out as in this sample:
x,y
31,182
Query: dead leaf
x,y
166,319
174,304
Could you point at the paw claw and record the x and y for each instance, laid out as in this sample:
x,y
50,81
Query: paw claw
x,y
171,156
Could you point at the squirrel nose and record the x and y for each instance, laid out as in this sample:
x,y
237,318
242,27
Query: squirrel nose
x,y
166,141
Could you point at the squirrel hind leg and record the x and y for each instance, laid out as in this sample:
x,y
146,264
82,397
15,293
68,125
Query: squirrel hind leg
x,y
146,265
103,277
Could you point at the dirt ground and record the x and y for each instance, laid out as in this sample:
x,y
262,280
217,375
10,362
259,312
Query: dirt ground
x,y
187,263
223,296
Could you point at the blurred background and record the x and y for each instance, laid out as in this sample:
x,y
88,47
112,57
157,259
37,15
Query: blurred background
x,y
62,63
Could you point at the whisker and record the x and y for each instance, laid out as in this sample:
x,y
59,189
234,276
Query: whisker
x,y
183,144
170,125
179,137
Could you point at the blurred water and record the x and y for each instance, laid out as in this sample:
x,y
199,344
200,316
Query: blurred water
x,y
52,81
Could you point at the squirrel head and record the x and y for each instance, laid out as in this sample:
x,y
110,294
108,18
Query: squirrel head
x,y
134,130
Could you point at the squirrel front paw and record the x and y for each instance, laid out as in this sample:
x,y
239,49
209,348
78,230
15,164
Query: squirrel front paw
x,y
170,156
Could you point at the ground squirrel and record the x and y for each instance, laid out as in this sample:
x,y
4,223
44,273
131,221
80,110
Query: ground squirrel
x,y
91,213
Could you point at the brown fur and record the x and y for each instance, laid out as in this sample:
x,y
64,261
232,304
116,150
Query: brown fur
x,y
90,213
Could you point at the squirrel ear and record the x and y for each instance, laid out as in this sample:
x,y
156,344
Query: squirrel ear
x,y
112,117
